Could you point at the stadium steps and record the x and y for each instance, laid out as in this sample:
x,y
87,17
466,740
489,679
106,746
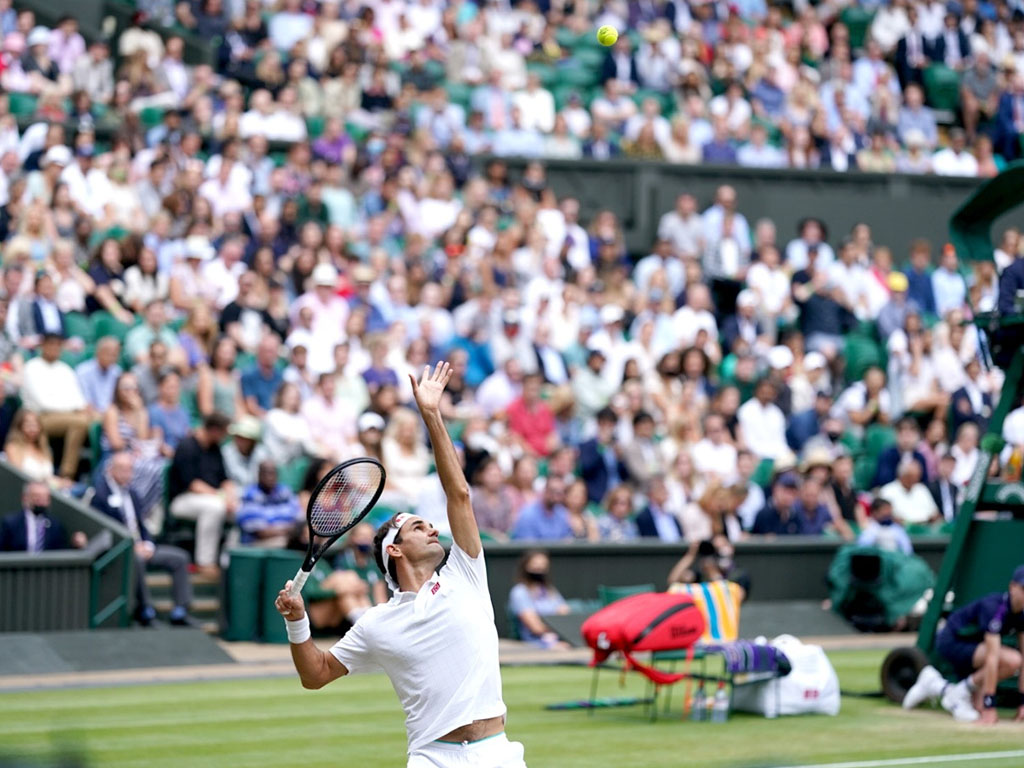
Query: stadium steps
x,y
205,601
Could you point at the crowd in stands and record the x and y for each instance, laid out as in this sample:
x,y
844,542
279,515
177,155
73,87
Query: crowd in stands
x,y
224,275
907,86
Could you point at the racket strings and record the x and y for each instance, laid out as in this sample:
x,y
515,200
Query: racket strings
x,y
344,498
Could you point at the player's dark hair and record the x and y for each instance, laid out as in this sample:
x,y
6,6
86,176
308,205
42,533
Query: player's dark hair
x,y
378,539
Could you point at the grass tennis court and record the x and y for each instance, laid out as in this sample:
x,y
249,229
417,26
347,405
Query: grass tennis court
x,y
357,722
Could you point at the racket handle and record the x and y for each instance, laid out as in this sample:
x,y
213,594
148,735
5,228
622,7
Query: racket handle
x,y
298,582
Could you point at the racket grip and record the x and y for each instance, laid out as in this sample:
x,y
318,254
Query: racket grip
x,y
298,582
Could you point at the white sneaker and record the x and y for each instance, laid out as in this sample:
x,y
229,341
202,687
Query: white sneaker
x,y
957,700
928,687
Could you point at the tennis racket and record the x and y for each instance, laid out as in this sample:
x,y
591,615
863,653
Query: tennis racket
x,y
340,500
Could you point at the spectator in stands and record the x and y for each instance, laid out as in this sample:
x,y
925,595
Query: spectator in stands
x,y
115,498
546,518
908,436
919,283
965,451
910,499
167,415
956,159
947,283
778,517
139,338
617,523
50,388
244,453
268,510
405,456
972,402
493,501
200,490
656,520
261,382
97,376
642,458
28,450
34,529
581,520
883,531
600,458
219,388
126,427
357,557
534,597
531,421
943,490
864,402
763,423
813,516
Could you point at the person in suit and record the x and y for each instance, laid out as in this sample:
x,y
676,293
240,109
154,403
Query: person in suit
x,y
943,489
912,53
620,64
46,315
744,324
970,402
1010,118
600,465
33,529
655,521
115,498
908,436
951,47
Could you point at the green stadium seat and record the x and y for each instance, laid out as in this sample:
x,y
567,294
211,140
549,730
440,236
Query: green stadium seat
x,y
942,87
22,104
459,93
105,324
315,126
150,117
858,22
547,73
877,438
95,452
608,595
861,353
79,326
74,358
590,57
294,472
578,74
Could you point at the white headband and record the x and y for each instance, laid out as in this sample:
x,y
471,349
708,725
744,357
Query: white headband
x,y
389,539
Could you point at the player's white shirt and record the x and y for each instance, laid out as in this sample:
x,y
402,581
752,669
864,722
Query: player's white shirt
x,y
439,646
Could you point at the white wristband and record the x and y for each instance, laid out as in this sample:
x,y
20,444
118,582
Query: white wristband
x,y
298,631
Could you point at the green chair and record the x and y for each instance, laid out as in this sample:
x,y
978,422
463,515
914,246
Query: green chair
x,y
763,474
590,57
942,87
459,93
95,449
151,117
22,104
608,595
79,326
861,352
858,22
105,324
877,438
315,126
294,472
244,594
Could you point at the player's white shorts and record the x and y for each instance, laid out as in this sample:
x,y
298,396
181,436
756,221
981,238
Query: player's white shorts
x,y
493,752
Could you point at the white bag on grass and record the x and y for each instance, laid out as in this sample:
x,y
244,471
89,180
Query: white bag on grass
x,y
812,687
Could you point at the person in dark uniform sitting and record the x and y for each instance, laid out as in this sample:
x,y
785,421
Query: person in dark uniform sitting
x,y
972,643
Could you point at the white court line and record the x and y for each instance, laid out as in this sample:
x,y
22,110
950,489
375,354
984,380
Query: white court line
x,y
928,760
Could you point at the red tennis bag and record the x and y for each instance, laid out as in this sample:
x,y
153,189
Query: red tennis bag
x,y
655,621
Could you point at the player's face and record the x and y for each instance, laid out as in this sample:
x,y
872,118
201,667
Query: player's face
x,y
420,542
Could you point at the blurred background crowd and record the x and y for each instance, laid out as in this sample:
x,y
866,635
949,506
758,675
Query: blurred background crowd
x,y
225,274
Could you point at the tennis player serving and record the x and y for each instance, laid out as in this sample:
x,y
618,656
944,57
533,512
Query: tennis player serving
x,y
435,638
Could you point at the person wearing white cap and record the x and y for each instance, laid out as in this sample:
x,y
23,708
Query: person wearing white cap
x,y
611,341
744,324
435,639
330,315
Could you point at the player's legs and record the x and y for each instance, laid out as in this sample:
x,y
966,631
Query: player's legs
x,y
957,698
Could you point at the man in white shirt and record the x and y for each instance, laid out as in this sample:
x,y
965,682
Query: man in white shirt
x,y
763,423
911,500
536,104
955,160
435,639
49,387
715,455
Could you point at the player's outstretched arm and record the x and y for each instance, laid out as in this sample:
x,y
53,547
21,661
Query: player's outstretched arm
x,y
428,393
316,668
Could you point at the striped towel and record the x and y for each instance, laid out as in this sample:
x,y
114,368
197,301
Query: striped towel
x,y
719,601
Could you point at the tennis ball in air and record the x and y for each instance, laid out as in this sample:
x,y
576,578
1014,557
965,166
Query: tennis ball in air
x,y
607,35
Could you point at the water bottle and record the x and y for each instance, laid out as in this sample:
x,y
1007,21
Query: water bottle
x,y
699,711
720,705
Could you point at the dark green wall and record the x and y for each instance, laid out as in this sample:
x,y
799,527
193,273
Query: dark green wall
x,y
898,208
780,569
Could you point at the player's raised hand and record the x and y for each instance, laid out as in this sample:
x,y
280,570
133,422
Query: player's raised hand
x,y
290,606
431,386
